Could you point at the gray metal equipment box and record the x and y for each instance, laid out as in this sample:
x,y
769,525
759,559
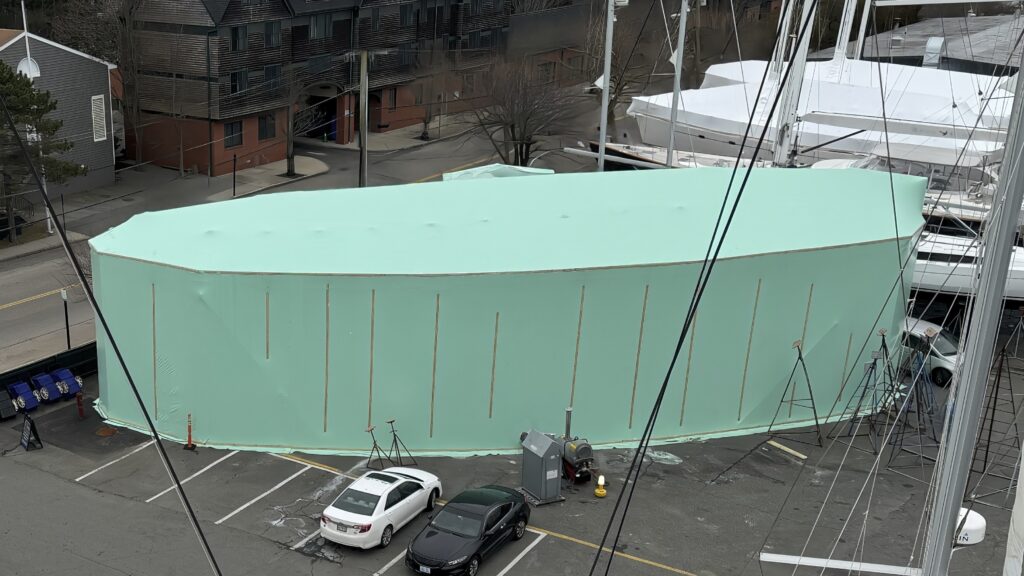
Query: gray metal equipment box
x,y
542,467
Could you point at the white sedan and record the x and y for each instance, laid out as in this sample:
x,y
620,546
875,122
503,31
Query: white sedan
x,y
371,509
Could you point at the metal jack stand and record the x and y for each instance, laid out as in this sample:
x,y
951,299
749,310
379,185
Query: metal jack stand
x,y
878,391
395,451
794,401
376,450
918,400
997,453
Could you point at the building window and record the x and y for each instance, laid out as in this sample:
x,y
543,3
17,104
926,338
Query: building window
x,y
239,40
375,20
468,84
417,93
272,76
320,27
407,15
474,7
474,39
392,97
232,134
546,72
268,126
99,119
407,54
272,34
485,39
239,81
319,64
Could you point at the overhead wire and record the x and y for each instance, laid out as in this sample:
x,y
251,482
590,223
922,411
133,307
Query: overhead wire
x,y
704,276
83,282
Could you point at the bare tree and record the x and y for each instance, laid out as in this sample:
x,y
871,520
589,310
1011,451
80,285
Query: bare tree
x,y
629,70
129,64
301,118
90,26
523,108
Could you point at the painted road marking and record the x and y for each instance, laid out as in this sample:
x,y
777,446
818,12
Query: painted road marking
x,y
314,464
302,542
390,564
256,499
521,554
568,538
112,462
218,461
35,297
456,169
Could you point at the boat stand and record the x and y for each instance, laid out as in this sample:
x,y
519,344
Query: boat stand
x,y
875,394
793,401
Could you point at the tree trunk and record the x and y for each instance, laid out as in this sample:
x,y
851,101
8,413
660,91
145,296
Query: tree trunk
x,y
290,145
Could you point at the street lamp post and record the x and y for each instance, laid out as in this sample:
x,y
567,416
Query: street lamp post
x,y
67,322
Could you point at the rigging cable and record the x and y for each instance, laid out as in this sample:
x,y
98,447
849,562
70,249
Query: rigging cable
x,y
707,268
110,338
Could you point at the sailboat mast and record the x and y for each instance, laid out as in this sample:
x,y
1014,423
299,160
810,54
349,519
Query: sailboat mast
x,y
789,104
859,50
676,79
609,33
845,26
963,414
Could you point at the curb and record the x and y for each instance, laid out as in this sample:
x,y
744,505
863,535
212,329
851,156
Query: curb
x,y
37,246
415,145
275,185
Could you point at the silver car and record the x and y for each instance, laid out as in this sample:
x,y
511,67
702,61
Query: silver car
x,y
941,346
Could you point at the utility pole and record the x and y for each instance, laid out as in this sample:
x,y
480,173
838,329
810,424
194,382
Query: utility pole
x,y
8,196
676,79
67,322
608,35
963,413
364,113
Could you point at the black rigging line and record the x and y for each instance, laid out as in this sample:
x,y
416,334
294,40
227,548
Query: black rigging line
x,y
110,337
703,278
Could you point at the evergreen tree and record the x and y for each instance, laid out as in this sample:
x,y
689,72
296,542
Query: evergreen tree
x,y
30,109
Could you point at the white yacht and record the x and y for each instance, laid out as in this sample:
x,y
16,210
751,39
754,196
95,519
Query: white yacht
x,y
948,264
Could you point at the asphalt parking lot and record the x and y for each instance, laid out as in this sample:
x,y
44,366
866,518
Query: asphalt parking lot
x,y
702,508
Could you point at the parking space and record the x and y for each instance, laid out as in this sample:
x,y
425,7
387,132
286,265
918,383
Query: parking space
x,y
279,497
699,502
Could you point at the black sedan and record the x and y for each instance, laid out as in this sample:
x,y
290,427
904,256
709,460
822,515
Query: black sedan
x,y
470,527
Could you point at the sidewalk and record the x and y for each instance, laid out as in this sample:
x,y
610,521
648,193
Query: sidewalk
x,y
448,126
151,188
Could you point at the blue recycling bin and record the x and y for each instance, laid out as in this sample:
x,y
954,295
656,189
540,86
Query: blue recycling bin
x,y
69,384
47,388
24,397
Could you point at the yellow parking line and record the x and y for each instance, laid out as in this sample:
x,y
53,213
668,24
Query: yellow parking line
x,y
36,297
456,169
568,538
313,464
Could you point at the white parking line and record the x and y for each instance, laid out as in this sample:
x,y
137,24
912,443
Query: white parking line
x,y
390,564
254,500
112,462
218,461
521,554
302,542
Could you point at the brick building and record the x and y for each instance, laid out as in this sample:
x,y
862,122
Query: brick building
x,y
225,71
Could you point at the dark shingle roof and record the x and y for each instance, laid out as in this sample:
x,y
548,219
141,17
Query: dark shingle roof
x,y
216,8
299,7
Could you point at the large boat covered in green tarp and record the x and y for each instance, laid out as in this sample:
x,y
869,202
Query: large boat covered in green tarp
x,y
472,310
